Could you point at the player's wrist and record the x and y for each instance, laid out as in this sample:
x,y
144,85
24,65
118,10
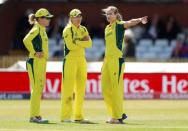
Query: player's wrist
x,y
140,20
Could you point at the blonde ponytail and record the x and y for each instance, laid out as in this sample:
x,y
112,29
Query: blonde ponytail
x,y
115,10
119,16
69,22
31,19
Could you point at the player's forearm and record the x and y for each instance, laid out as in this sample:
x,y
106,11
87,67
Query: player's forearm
x,y
70,44
29,46
132,22
85,44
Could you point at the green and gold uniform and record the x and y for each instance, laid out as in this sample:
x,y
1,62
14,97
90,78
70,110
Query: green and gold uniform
x,y
113,68
36,41
74,71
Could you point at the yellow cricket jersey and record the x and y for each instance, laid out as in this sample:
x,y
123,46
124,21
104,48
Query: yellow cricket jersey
x,y
37,41
114,39
72,36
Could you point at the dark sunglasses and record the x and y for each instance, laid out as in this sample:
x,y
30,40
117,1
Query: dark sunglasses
x,y
48,18
78,16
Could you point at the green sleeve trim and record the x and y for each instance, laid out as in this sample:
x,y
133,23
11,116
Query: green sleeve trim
x,y
37,42
119,35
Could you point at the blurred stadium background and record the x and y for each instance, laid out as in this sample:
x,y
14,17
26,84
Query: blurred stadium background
x,y
164,38
161,46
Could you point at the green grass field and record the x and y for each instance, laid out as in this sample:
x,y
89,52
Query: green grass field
x,y
144,115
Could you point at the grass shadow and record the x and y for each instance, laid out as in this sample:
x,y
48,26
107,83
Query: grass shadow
x,y
86,123
45,123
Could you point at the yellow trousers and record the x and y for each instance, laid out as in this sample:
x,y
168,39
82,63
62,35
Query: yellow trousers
x,y
73,87
112,85
36,68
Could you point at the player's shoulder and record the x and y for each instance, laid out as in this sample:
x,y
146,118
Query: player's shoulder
x,y
83,28
120,22
120,25
67,29
107,26
34,29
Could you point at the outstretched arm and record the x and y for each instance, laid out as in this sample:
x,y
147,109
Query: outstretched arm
x,y
134,22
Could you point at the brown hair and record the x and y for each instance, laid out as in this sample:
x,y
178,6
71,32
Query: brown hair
x,y
115,10
32,19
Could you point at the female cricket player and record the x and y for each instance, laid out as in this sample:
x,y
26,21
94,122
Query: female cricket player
x,y
36,42
113,66
76,39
